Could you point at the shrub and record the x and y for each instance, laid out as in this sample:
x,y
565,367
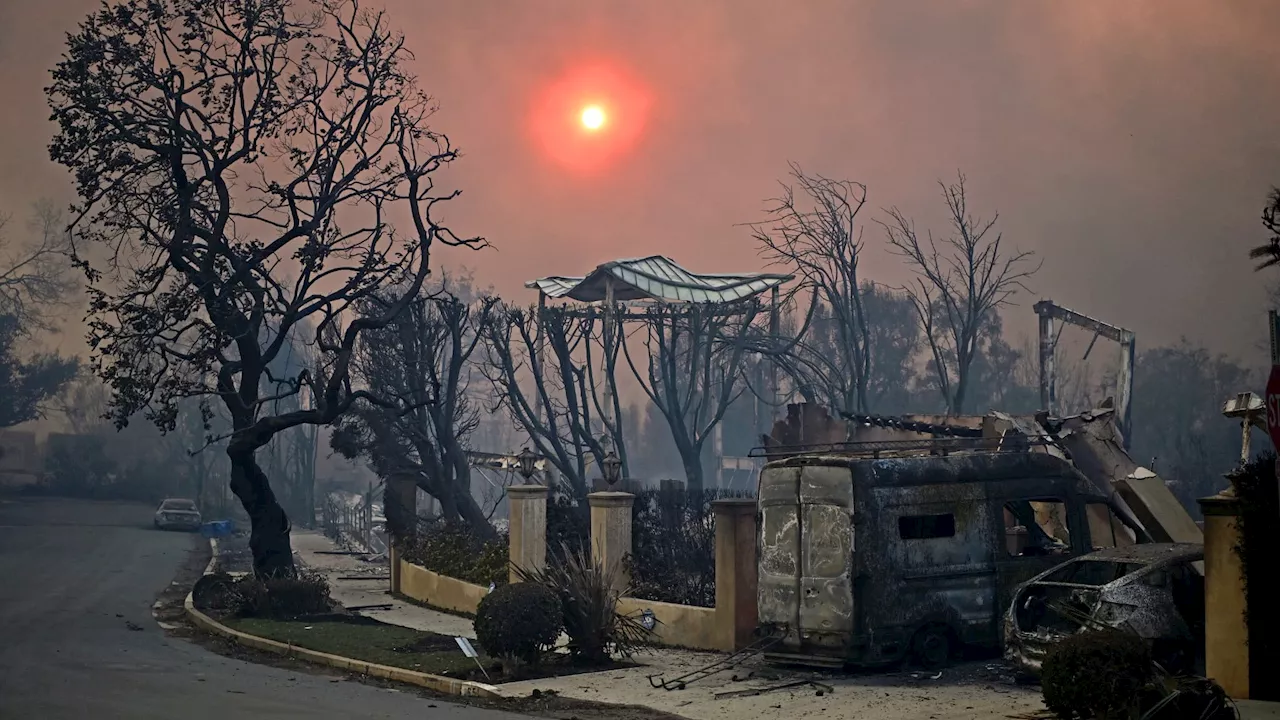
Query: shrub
x,y
568,523
213,591
674,546
306,593
455,550
589,601
518,622
1096,674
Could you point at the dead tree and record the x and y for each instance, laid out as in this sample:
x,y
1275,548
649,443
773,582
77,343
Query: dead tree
x,y
238,164
961,281
423,359
817,237
36,276
693,371
1269,252
556,398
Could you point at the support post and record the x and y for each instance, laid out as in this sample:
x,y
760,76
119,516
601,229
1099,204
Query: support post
x,y
774,390
736,580
611,533
1124,389
1048,395
1226,633
527,525
541,348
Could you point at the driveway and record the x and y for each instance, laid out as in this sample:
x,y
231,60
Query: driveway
x,y
77,638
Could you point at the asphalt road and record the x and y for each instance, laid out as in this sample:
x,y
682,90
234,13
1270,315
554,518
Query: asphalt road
x,y
74,574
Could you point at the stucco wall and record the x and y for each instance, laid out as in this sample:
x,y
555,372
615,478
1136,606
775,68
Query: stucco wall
x,y
440,591
678,625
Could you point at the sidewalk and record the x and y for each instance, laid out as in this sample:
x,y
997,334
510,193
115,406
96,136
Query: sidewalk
x,y
972,690
309,548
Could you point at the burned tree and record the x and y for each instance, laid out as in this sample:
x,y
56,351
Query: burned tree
x,y
422,360
36,276
1269,252
237,163
816,236
961,281
556,399
35,280
693,371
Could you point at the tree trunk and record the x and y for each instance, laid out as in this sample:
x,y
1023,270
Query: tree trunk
x,y
269,538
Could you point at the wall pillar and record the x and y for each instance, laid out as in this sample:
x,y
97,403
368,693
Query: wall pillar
x,y
611,533
527,525
1226,633
736,580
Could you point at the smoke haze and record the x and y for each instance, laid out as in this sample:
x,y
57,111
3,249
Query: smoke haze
x,y
1130,144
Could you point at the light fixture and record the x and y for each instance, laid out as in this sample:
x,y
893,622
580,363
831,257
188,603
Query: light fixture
x,y
528,462
612,467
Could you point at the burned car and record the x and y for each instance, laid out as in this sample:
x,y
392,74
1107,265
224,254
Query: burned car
x,y
1155,591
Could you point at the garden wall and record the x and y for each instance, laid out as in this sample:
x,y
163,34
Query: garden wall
x,y
684,626
439,591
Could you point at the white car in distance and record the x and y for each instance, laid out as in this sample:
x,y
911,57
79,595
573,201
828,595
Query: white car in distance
x,y
178,514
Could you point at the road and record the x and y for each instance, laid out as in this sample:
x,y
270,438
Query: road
x,y
74,575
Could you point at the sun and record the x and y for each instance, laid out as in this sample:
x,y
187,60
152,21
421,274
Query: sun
x,y
593,117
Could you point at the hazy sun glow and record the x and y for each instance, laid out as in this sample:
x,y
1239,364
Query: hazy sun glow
x,y
592,117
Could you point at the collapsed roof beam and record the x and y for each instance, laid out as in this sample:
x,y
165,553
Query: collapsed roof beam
x,y
1049,312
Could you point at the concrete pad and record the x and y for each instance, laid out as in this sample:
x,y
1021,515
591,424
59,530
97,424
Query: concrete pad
x,y
1258,710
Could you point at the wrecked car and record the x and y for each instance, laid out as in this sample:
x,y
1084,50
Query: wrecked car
x,y
1152,590
870,560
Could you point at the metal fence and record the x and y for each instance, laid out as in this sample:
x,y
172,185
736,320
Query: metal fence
x,y
354,521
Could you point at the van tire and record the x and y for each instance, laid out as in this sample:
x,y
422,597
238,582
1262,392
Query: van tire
x,y
932,645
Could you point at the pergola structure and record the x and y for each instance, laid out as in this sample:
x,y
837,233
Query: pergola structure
x,y
656,279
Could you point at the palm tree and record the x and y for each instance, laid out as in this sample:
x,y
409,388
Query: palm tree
x,y
1269,253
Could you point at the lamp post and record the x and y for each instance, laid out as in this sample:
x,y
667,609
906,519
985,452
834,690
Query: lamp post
x,y
528,464
612,468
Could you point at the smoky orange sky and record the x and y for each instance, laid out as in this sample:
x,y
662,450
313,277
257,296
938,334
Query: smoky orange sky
x,y
1130,144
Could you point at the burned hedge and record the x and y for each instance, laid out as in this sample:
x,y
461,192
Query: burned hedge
x,y
1096,674
457,551
673,539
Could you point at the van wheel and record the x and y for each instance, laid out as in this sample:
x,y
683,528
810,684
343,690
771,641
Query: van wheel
x,y
932,646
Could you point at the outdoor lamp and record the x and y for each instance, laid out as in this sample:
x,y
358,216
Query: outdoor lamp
x,y
528,463
612,467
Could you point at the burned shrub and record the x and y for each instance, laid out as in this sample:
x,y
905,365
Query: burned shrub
x,y
213,592
1096,674
518,622
457,551
280,598
673,556
588,596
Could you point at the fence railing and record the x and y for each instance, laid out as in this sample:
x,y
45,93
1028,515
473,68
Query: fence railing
x,y
352,525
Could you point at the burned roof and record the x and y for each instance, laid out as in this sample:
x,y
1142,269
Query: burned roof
x,y
657,278
1150,553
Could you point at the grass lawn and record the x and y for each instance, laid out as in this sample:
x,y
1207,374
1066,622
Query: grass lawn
x,y
373,642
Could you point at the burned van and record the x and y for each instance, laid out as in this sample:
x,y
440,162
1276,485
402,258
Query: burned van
x,y
867,561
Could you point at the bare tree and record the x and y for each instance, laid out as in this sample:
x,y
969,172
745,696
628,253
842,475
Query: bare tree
x,y
556,398
36,276
817,237
220,147
961,280
694,369
1269,252
423,359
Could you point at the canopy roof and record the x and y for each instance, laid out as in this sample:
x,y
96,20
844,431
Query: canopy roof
x,y
656,278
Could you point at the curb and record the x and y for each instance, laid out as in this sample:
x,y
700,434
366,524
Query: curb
x,y
438,683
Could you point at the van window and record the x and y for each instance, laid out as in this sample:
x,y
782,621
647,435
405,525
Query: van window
x,y
1036,527
926,527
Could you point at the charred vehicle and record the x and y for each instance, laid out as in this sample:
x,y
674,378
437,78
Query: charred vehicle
x,y
1153,591
874,560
